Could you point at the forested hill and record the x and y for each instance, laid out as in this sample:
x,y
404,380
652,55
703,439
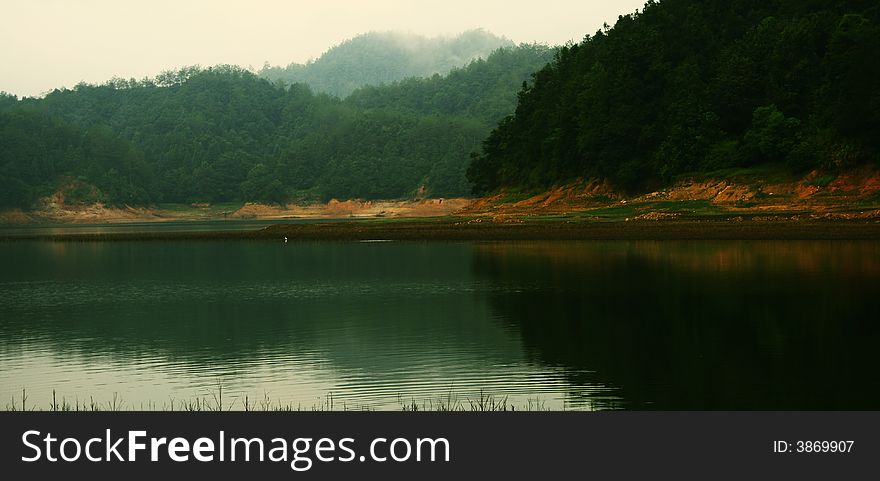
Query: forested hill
x,y
687,86
481,90
384,57
225,134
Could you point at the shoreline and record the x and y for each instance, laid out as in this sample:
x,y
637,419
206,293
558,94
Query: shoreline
x,y
470,229
55,211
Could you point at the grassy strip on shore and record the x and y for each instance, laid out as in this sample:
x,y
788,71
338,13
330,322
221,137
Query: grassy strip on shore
x,y
214,402
477,229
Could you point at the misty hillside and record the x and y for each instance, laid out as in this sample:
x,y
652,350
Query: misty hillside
x,y
384,57
224,134
481,90
685,87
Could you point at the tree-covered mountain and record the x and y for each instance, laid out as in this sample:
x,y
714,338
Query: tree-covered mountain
x,y
481,90
224,134
384,57
688,86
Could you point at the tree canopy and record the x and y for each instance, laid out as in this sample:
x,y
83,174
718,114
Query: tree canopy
x,y
687,86
225,134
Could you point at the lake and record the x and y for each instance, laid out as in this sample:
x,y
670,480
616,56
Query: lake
x,y
149,227
377,325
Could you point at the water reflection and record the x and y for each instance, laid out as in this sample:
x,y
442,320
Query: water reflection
x,y
578,325
700,325
372,323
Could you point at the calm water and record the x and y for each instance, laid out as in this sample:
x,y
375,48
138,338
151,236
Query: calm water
x,y
575,325
226,225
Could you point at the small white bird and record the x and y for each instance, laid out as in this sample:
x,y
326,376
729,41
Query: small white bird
x,y
285,239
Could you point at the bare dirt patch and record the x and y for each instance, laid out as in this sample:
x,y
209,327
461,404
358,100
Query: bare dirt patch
x,y
15,216
54,210
336,209
849,195
853,194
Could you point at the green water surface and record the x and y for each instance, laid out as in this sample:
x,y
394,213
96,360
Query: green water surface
x,y
563,325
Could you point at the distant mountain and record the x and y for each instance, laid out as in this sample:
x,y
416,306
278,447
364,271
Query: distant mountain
x,y
384,57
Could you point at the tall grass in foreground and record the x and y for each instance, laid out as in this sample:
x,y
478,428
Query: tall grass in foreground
x,y
483,403
214,402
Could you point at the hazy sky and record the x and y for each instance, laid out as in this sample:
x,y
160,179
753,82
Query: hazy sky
x,y
52,43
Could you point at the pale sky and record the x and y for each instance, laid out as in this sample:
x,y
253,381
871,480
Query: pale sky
x,y
46,44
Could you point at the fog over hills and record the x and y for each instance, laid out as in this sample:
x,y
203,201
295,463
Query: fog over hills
x,y
383,57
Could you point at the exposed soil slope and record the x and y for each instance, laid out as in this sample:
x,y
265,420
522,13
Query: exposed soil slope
x,y
851,195
756,195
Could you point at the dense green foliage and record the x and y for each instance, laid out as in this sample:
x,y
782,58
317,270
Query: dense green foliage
x,y
224,134
49,147
378,58
688,86
481,90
